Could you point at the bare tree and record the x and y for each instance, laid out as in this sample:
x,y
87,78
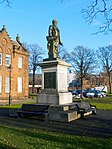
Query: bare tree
x,y
101,9
63,53
36,55
7,2
83,61
105,57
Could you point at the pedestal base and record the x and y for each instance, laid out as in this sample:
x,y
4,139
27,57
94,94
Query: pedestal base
x,y
63,113
52,97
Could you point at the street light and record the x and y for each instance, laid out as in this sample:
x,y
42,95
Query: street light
x,y
10,69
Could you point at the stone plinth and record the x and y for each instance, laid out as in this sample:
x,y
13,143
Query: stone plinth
x,y
63,113
52,97
54,83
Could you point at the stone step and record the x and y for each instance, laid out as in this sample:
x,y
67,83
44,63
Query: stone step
x,y
63,116
59,108
64,107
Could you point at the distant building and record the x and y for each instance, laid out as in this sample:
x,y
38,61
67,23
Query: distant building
x,y
90,81
38,83
14,77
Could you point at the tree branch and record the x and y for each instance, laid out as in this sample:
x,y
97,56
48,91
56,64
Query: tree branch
x,y
7,2
99,8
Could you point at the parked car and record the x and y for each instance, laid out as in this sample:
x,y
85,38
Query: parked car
x,y
81,92
90,93
85,93
95,93
103,93
98,93
75,94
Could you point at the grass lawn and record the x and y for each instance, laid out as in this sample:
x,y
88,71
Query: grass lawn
x,y
30,138
33,95
101,103
14,106
24,138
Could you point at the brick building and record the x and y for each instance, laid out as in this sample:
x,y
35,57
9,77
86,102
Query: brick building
x,y
13,68
91,81
38,83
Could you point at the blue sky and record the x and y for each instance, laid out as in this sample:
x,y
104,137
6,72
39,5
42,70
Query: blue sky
x,y
31,19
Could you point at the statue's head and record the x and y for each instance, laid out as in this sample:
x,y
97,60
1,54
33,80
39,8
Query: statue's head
x,y
54,22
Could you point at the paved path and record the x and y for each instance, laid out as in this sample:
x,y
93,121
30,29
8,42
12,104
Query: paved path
x,y
99,125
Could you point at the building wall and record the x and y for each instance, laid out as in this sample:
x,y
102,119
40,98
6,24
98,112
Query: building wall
x,y
90,82
15,50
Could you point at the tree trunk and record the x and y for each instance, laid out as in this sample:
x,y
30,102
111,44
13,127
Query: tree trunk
x,y
109,75
81,87
33,81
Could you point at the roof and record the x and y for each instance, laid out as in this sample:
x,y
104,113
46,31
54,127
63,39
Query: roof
x,y
16,43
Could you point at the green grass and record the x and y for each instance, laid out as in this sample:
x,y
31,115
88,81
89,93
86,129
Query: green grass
x,y
11,106
109,94
15,106
33,95
30,138
101,103
24,138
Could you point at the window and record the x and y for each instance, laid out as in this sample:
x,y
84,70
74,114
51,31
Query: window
x,y
19,84
7,84
19,62
0,84
0,58
8,59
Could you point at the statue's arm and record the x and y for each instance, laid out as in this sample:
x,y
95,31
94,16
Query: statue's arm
x,y
50,30
49,37
59,38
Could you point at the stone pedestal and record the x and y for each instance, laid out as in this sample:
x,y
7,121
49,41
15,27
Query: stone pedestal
x,y
54,83
55,91
63,113
52,97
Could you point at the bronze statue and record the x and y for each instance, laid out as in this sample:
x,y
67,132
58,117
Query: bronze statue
x,y
53,39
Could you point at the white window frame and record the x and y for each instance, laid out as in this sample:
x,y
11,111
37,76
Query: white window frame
x,y
19,62
7,84
8,59
0,84
20,84
0,58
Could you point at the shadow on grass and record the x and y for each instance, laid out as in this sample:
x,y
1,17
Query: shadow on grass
x,y
4,111
94,126
4,146
50,139
8,112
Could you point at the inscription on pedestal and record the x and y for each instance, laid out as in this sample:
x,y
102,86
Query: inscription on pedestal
x,y
62,81
50,80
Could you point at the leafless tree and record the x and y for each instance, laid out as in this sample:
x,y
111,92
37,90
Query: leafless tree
x,y
101,9
63,53
36,55
83,61
105,58
7,2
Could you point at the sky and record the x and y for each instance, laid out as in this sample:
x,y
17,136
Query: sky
x,y
31,19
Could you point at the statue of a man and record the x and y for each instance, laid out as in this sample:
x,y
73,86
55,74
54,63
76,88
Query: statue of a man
x,y
53,39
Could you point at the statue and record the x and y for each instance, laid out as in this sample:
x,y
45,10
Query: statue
x,y
53,39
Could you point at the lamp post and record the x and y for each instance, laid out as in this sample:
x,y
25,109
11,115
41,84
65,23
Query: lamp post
x,y
10,69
